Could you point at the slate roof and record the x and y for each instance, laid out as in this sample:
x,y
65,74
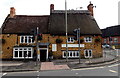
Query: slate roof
x,y
111,31
53,23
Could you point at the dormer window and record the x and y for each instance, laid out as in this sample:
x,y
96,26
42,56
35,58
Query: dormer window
x,y
71,40
26,39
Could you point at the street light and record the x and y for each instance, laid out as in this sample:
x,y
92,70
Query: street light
x,y
66,31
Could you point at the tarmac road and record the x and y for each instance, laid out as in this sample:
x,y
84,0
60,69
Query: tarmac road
x,y
111,70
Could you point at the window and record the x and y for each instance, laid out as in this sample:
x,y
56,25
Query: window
x,y
88,39
70,39
23,52
26,39
71,54
105,40
88,53
115,40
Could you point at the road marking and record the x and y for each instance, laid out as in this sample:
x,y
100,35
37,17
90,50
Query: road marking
x,y
113,65
88,68
37,71
4,74
113,71
76,73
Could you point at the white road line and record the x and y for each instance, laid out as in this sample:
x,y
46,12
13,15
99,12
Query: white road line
x,y
113,71
37,71
113,65
4,74
76,73
88,68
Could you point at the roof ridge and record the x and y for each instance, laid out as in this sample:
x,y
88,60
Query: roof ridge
x,y
34,15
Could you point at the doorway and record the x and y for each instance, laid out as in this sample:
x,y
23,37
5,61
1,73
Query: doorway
x,y
43,55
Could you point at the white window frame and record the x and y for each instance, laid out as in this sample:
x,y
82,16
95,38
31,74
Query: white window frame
x,y
76,56
18,49
88,53
70,40
26,36
115,40
105,40
88,39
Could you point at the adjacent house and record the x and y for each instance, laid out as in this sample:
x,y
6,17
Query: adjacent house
x,y
111,36
19,35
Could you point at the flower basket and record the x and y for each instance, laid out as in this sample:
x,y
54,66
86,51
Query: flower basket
x,y
3,41
81,40
97,40
59,41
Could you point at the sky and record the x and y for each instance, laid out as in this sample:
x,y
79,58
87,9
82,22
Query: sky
x,y
105,13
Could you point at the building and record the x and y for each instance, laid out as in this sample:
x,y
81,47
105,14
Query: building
x,y
20,40
111,36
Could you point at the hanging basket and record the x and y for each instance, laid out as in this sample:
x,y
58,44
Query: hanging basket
x,y
97,40
81,40
3,41
59,40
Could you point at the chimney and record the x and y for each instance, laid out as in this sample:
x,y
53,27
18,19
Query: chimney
x,y
51,7
90,8
12,12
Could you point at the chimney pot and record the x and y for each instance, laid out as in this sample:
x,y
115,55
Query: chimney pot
x,y
12,12
51,7
90,8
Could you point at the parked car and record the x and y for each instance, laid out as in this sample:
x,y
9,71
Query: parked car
x,y
106,46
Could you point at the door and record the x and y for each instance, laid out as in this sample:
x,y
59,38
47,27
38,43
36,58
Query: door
x,y
43,54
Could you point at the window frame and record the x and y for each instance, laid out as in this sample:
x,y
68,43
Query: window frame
x,y
26,39
88,53
88,39
69,54
70,40
116,41
105,40
22,49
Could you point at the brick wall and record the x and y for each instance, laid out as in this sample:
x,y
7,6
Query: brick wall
x,y
11,41
95,46
7,47
116,44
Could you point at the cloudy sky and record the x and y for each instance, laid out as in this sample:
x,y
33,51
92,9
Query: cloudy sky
x,y
105,13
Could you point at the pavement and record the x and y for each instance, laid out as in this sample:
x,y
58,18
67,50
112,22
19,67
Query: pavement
x,y
52,66
58,64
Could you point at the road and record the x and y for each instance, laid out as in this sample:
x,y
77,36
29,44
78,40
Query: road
x,y
111,70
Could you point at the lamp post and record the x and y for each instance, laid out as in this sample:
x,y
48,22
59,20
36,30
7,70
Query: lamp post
x,y
66,31
37,47
79,43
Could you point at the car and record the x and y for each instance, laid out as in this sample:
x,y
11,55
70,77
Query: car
x,y
106,46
